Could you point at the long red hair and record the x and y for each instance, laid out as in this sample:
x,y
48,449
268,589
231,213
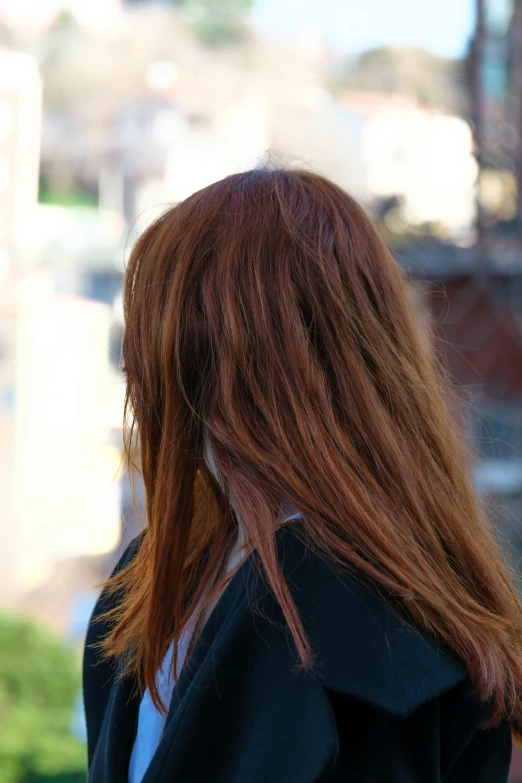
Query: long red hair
x,y
266,312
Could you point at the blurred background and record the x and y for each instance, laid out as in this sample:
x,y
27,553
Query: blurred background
x,y
112,109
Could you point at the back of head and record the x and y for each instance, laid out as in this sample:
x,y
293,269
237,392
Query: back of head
x,y
265,312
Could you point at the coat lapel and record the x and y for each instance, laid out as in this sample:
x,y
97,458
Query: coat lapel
x,y
365,646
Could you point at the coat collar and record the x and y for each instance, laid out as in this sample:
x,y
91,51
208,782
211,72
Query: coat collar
x,y
239,692
365,647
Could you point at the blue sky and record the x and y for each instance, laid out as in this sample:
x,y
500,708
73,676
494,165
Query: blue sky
x,y
442,26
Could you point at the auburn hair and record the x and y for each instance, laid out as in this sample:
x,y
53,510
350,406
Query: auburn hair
x,y
266,314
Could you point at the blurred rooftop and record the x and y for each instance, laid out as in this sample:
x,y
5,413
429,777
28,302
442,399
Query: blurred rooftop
x,y
500,253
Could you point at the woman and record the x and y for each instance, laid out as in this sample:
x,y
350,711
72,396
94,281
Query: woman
x,y
317,595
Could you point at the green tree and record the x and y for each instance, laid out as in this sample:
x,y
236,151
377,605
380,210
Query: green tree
x,y
434,81
216,22
228,6
39,681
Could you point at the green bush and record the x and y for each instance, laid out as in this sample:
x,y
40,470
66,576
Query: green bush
x,y
39,681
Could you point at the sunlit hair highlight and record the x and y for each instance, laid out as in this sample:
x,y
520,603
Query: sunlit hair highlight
x,y
265,311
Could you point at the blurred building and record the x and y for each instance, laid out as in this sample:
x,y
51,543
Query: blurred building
x,y
7,400
20,128
209,146
61,496
421,156
496,107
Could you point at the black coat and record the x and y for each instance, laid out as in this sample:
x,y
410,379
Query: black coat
x,y
384,702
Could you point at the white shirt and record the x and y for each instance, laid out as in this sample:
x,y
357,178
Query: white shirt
x,y
151,722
